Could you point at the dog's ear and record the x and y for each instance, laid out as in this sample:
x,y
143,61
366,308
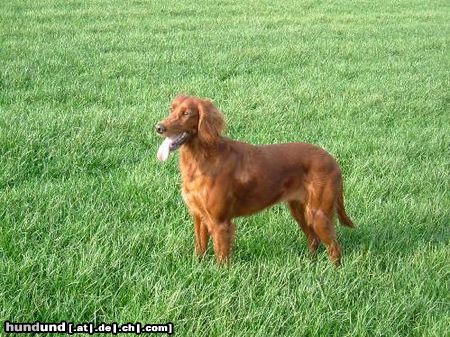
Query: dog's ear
x,y
211,122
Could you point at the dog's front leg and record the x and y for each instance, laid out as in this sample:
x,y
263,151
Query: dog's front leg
x,y
223,237
201,236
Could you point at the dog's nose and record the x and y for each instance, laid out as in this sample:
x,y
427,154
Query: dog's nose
x,y
160,128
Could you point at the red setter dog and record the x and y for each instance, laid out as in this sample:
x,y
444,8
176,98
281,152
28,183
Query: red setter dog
x,y
224,179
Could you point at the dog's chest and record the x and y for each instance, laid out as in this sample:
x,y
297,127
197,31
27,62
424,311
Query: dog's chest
x,y
194,188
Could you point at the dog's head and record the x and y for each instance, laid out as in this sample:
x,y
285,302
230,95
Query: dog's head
x,y
191,119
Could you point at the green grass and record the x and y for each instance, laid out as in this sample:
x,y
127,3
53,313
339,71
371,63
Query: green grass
x,y
93,228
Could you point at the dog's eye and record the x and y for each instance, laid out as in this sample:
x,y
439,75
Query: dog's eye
x,y
186,112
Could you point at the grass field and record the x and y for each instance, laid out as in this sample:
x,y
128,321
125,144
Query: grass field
x,y
93,228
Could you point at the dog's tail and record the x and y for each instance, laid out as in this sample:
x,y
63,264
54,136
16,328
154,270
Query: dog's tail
x,y
343,217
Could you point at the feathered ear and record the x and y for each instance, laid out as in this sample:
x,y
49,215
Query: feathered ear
x,y
211,122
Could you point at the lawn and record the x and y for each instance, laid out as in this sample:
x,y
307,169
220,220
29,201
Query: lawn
x,y
93,228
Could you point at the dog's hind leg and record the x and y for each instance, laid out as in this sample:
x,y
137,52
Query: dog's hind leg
x,y
298,213
320,216
325,231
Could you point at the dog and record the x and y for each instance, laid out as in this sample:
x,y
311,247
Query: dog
x,y
223,179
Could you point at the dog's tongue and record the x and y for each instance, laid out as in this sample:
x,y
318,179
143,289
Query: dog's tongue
x,y
164,149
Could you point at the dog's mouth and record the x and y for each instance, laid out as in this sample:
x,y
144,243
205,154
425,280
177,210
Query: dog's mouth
x,y
170,144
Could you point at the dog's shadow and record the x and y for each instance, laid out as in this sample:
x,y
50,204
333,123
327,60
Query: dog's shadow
x,y
284,238
400,240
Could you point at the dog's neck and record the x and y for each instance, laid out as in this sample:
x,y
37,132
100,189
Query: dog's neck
x,y
200,152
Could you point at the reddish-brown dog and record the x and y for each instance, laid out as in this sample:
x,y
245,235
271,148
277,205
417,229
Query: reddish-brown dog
x,y
224,179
